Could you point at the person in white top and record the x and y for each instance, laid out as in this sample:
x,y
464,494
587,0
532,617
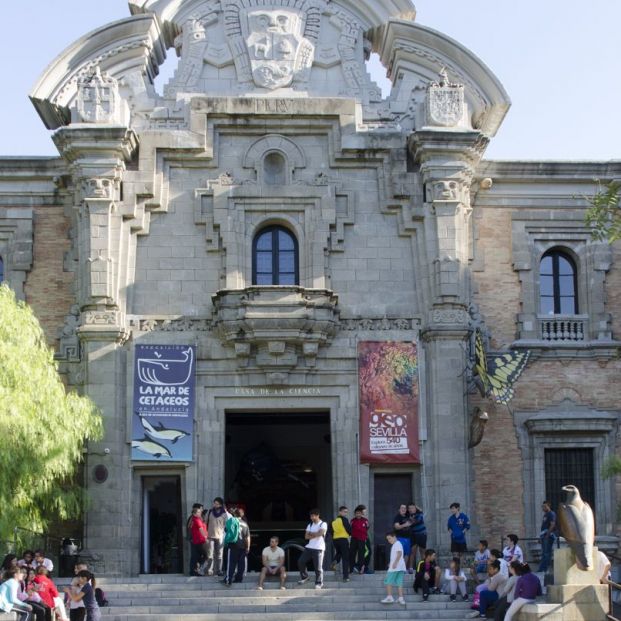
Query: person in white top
x,y
396,569
602,567
315,535
273,558
513,552
41,561
456,579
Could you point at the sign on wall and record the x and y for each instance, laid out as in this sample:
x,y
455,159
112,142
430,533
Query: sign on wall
x,y
163,407
388,386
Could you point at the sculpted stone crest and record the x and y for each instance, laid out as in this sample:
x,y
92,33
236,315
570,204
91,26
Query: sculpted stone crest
x,y
98,98
445,102
274,44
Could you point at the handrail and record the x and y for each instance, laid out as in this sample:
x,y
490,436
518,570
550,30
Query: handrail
x,y
612,586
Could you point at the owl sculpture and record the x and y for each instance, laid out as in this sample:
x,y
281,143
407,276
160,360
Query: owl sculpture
x,y
578,527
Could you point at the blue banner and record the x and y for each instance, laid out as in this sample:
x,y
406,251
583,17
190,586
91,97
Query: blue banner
x,y
164,395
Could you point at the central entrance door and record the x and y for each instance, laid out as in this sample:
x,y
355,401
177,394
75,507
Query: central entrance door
x,y
277,467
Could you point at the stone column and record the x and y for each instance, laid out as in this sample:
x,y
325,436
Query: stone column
x,y
97,156
447,159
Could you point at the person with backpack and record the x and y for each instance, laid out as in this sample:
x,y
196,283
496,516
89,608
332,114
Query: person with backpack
x,y
215,519
237,544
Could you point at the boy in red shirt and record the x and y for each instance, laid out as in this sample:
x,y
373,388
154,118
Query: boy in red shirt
x,y
359,533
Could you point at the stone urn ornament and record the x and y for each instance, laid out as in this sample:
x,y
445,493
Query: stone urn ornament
x,y
578,527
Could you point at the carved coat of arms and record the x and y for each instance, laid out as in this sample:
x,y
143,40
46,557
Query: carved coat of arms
x,y
98,97
445,102
275,41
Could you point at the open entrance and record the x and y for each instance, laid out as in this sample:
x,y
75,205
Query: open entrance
x,y
162,525
277,467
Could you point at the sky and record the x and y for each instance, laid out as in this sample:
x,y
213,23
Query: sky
x,y
557,59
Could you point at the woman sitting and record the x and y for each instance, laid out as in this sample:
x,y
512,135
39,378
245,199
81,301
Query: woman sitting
x,y
526,590
456,579
9,600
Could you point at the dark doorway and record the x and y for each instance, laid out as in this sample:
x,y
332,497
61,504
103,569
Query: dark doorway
x,y
278,467
389,491
569,467
162,526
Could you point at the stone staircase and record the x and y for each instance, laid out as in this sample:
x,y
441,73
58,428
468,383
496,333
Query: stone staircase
x,y
169,598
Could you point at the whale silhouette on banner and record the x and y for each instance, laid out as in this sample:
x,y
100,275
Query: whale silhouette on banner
x,y
164,397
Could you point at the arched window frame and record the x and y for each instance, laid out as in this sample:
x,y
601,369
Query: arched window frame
x,y
274,230
556,254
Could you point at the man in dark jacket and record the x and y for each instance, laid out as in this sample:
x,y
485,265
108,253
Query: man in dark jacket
x,y
340,530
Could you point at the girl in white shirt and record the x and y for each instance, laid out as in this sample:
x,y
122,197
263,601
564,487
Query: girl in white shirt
x,y
456,580
513,552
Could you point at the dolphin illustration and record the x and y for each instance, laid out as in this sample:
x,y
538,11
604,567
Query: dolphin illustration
x,y
151,448
161,433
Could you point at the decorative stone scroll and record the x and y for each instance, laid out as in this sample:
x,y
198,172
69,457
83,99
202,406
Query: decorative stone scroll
x,y
160,324
445,102
384,324
98,98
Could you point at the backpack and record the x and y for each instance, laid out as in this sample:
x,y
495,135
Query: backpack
x,y
231,531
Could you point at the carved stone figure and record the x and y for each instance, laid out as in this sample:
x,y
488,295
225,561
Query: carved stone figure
x,y
98,98
477,427
578,527
446,190
445,102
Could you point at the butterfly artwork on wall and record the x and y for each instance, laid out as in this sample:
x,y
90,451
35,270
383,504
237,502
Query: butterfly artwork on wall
x,y
496,373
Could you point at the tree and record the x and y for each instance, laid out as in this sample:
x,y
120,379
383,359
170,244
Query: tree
x,y
604,214
43,428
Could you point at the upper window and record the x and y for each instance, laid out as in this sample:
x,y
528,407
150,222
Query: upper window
x,y
1,270
274,169
275,257
557,284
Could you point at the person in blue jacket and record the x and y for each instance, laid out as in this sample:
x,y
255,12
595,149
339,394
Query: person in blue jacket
x,y
458,524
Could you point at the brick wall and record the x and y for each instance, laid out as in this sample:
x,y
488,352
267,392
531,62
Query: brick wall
x,y
48,286
497,463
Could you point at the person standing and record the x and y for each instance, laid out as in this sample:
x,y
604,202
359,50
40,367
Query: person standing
x,y
396,570
418,534
315,535
237,539
340,531
359,535
547,535
215,519
86,594
458,524
401,525
198,540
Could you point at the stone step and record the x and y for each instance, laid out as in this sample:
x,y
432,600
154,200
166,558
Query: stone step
x,y
388,614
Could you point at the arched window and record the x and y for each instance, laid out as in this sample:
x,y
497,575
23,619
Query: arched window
x,y
1,270
557,284
275,257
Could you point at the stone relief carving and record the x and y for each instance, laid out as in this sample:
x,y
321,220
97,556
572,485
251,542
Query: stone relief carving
x,y
445,102
98,187
98,99
69,347
272,45
450,316
352,325
182,324
446,190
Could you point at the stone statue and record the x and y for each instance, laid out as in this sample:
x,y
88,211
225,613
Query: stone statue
x,y
578,527
478,421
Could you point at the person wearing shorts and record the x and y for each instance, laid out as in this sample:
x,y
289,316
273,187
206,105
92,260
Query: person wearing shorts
x,y
396,570
458,524
418,534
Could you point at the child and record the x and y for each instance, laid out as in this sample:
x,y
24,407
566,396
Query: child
x,y
9,589
427,575
513,552
396,569
77,611
359,531
496,555
458,524
481,558
456,579
86,594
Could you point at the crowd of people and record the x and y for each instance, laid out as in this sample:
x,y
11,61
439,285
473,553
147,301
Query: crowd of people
x,y
27,589
502,580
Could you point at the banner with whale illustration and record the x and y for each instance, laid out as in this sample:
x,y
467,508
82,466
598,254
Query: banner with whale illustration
x,y
163,407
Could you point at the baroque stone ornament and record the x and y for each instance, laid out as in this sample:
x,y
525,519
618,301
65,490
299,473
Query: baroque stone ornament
x,y
98,98
445,102
273,44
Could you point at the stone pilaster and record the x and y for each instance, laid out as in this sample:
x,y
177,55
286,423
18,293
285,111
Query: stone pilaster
x,y
447,160
97,156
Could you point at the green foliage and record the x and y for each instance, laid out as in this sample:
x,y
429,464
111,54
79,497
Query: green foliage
x,y
604,215
612,467
43,427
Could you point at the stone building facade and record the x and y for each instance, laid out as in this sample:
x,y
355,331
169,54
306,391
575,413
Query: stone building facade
x,y
391,226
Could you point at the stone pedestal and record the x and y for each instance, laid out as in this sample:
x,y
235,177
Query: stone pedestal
x,y
581,596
